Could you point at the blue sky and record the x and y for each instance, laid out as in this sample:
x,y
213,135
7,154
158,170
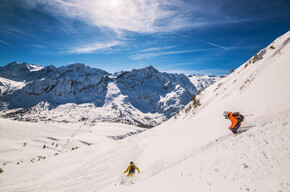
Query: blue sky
x,y
189,36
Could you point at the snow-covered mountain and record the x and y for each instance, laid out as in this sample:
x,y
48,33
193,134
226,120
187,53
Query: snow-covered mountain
x,y
16,71
76,92
194,151
201,82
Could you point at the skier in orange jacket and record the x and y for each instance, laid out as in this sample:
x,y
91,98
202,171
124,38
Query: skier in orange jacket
x,y
131,169
236,120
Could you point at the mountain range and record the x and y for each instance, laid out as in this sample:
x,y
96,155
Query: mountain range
x,y
76,92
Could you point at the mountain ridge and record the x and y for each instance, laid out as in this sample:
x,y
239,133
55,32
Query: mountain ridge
x,y
141,96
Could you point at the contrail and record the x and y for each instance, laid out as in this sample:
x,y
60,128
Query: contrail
x,y
207,42
4,42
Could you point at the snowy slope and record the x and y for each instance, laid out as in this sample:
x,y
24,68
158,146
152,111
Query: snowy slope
x,y
23,142
7,86
203,156
192,152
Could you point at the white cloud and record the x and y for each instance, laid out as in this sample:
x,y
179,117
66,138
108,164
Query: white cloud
x,y
121,16
143,16
94,47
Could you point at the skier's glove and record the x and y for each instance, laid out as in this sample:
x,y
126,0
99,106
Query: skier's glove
x,y
229,128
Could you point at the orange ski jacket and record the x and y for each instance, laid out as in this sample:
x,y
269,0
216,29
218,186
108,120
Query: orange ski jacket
x,y
233,120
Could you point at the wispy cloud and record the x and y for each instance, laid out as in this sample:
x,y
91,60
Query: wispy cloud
x,y
115,18
200,40
90,48
155,49
152,16
4,42
39,46
12,30
113,21
146,55
143,16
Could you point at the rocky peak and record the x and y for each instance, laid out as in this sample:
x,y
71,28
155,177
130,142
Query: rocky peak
x,y
18,71
79,69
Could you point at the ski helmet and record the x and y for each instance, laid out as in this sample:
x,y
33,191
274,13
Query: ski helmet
x,y
131,162
226,114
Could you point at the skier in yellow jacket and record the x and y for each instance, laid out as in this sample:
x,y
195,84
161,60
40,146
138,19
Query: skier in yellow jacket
x,y
131,169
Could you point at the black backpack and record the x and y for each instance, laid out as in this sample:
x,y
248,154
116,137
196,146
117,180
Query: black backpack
x,y
239,117
132,169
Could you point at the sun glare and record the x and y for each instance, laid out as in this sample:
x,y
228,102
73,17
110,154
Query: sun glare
x,y
114,2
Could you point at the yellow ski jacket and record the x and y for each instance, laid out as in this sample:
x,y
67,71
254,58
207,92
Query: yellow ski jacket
x,y
129,168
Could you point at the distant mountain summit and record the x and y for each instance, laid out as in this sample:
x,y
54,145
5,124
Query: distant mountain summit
x,y
18,71
203,81
144,97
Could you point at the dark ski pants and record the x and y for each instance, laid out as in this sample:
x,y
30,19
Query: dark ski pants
x,y
235,128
